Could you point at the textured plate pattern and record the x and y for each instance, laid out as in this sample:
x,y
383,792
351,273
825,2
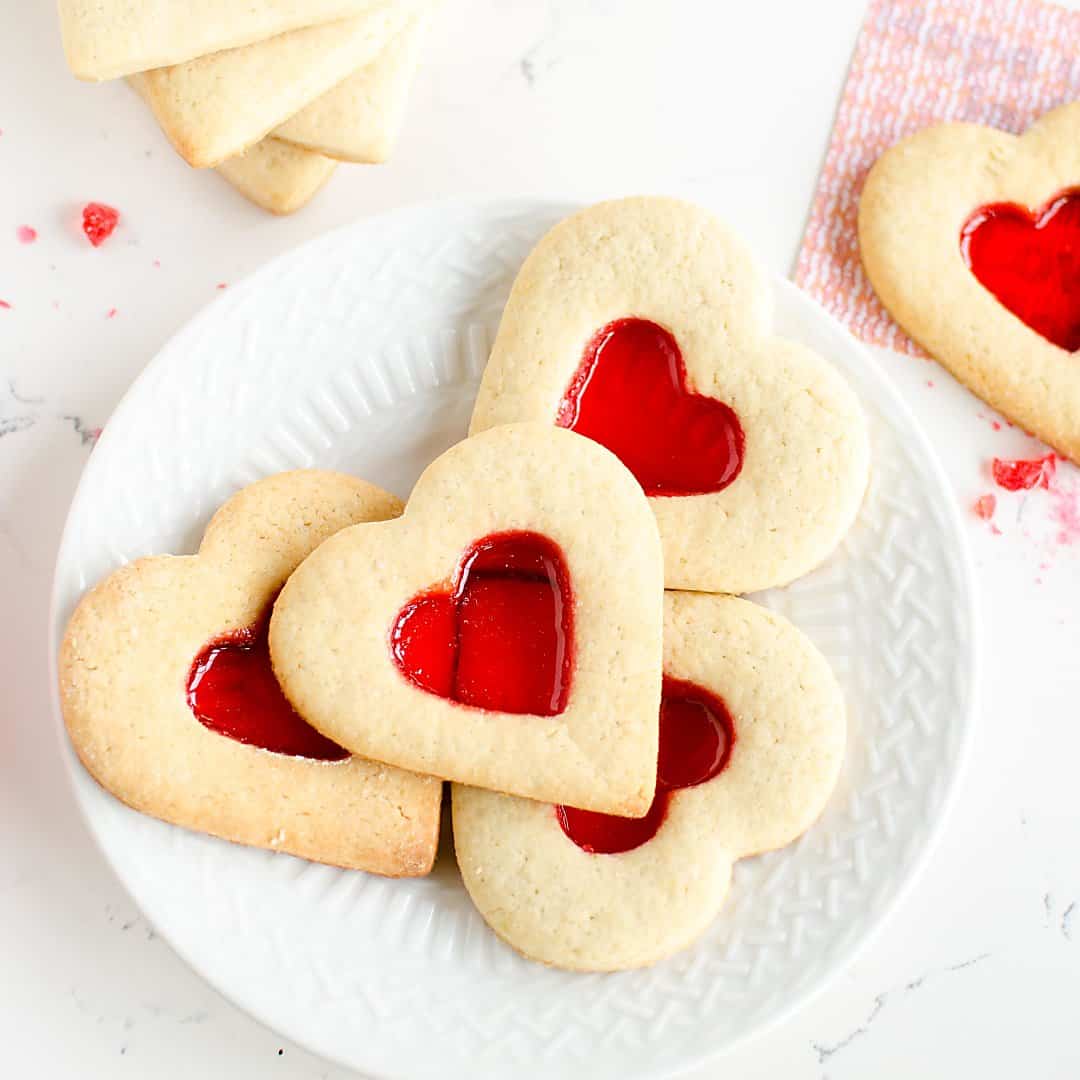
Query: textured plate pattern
x,y
363,351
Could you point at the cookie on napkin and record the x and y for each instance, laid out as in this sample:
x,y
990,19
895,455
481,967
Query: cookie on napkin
x,y
971,239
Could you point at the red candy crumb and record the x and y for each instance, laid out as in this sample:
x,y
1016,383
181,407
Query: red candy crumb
x,y
25,235
995,425
111,313
5,305
98,222
223,285
1024,475
985,505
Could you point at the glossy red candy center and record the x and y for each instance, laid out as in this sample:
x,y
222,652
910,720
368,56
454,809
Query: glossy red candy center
x,y
501,637
696,738
1031,263
630,394
232,690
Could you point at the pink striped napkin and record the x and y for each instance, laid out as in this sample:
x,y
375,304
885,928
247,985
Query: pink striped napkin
x,y
919,62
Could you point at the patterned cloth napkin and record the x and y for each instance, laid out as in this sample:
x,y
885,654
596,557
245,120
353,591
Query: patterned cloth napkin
x,y
919,62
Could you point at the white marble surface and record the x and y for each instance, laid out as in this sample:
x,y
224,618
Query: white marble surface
x,y
977,973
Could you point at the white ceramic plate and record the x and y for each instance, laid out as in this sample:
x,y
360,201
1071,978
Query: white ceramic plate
x,y
362,351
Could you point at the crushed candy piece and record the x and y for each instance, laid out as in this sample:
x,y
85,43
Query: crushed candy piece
x,y
98,222
996,425
1024,475
5,305
111,313
985,505
25,234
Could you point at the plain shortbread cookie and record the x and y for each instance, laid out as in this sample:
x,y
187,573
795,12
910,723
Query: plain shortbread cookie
x,y
360,119
106,39
216,106
276,175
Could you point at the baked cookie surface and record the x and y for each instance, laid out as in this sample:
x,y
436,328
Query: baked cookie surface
x,y
218,105
785,729
129,692
105,39
504,632
360,118
645,323
919,218
277,175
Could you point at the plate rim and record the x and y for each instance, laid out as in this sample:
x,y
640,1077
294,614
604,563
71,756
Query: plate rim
x,y
848,952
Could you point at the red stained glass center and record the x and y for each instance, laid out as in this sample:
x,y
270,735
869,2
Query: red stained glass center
x,y
697,735
1031,263
501,637
630,394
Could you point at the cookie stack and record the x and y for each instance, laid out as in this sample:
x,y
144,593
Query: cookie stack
x,y
550,622
271,95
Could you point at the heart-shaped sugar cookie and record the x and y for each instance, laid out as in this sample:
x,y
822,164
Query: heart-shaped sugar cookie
x,y
645,325
171,704
752,732
971,238
504,632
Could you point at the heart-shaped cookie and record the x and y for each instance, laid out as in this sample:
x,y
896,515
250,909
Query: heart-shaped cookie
x,y
645,324
504,632
170,701
971,238
752,739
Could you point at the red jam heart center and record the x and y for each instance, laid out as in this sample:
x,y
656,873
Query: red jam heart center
x,y
232,690
630,394
697,735
1031,263
502,637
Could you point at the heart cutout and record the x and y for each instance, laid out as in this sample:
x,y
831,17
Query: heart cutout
x,y
1031,263
630,394
697,736
502,639
645,325
232,690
